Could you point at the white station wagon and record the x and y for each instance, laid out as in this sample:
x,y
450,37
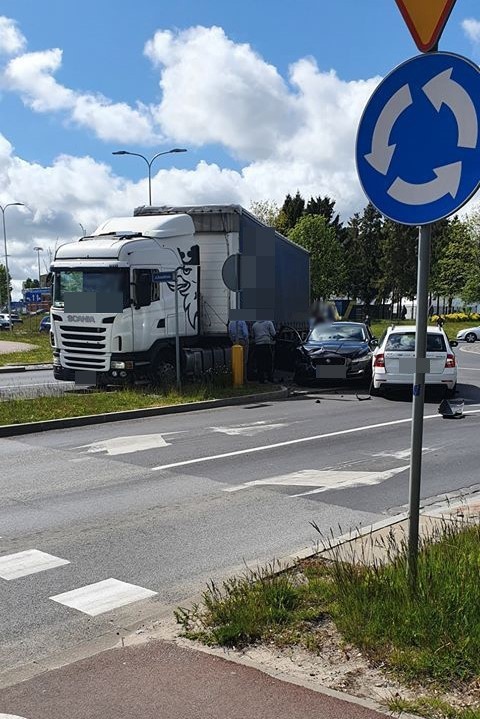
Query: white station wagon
x,y
398,344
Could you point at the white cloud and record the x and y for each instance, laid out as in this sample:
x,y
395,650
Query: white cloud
x,y
471,28
290,133
233,96
11,39
31,75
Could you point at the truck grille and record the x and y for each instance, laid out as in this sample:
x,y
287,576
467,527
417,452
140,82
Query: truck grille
x,y
84,348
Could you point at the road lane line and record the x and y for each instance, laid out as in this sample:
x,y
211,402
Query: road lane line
x,y
103,596
21,564
291,442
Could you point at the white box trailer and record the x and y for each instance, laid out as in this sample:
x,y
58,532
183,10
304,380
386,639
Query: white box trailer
x,y
114,317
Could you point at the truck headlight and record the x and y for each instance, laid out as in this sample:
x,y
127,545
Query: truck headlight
x,y
56,361
117,365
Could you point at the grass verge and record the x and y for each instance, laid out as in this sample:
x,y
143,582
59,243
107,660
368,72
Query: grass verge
x,y
431,636
17,411
27,332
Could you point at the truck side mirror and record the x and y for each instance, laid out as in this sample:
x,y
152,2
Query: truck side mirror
x,y
194,255
143,288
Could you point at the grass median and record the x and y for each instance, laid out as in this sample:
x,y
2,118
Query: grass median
x,y
428,638
27,332
76,404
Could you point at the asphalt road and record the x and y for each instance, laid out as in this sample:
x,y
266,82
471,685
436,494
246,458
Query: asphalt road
x,y
31,383
167,503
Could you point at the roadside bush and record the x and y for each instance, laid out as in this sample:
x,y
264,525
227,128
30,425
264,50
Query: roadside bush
x,y
459,317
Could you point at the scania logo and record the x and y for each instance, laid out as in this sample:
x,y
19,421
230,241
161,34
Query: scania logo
x,y
80,318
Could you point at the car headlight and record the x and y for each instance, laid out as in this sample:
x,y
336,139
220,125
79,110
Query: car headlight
x,y
460,334
117,365
356,360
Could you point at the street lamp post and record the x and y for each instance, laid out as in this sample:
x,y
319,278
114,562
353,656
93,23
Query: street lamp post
x,y
38,250
9,303
150,163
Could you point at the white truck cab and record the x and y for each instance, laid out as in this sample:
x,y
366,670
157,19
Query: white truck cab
x,y
110,314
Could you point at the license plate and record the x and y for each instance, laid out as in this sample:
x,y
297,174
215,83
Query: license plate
x,y
330,371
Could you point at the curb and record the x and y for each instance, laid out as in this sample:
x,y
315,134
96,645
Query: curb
x,y
25,368
11,430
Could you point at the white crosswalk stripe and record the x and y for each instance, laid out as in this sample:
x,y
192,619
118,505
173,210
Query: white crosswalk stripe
x,y
103,596
31,561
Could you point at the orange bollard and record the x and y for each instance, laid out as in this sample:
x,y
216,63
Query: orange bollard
x,y
237,365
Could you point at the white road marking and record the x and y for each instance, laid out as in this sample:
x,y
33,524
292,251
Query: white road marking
x,y
340,480
322,479
103,596
31,561
10,716
470,369
300,440
126,445
249,430
402,453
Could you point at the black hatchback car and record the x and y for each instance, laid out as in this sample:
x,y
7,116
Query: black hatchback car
x,y
339,351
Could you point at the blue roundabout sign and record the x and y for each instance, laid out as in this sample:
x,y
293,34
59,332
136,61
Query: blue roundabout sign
x,y
418,155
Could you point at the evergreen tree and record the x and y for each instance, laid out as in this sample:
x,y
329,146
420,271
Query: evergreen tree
x,y
363,239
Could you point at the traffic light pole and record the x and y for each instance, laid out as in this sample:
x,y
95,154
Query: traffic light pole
x,y
424,243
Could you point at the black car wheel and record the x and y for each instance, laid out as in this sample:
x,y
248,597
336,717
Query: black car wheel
x,y
471,337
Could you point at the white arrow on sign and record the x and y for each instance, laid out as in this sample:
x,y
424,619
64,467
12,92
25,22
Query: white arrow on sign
x,y
382,153
442,90
447,182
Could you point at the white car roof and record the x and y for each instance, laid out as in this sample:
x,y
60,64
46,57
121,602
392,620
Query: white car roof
x,y
412,328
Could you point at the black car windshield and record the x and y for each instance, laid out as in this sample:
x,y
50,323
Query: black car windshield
x,y
91,280
405,342
331,333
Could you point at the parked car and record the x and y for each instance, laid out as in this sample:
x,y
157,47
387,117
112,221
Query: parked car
x,y
15,318
339,351
4,324
398,343
45,324
472,334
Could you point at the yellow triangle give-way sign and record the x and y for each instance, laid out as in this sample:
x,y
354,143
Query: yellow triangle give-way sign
x,y
426,20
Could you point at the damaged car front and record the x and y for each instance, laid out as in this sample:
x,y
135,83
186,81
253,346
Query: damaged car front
x,y
338,351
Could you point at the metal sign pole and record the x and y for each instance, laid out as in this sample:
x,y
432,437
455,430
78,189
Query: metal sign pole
x,y
424,241
177,336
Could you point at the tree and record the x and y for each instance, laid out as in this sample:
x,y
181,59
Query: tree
x,y
3,286
458,266
327,270
291,211
398,262
30,284
363,239
267,211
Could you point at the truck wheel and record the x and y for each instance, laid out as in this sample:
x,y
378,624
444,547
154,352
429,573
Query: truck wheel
x,y
163,374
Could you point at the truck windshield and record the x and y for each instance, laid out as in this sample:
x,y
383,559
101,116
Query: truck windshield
x,y
91,280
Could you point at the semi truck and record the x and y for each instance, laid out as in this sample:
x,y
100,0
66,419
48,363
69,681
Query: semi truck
x,y
126,297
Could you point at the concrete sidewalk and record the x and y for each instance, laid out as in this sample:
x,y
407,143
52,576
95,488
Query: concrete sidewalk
x,y
160,680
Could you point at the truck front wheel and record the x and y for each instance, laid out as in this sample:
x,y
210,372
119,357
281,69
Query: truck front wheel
x,y
162,373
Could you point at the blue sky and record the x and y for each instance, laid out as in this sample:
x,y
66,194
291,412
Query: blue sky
x,y
267,103
103,45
